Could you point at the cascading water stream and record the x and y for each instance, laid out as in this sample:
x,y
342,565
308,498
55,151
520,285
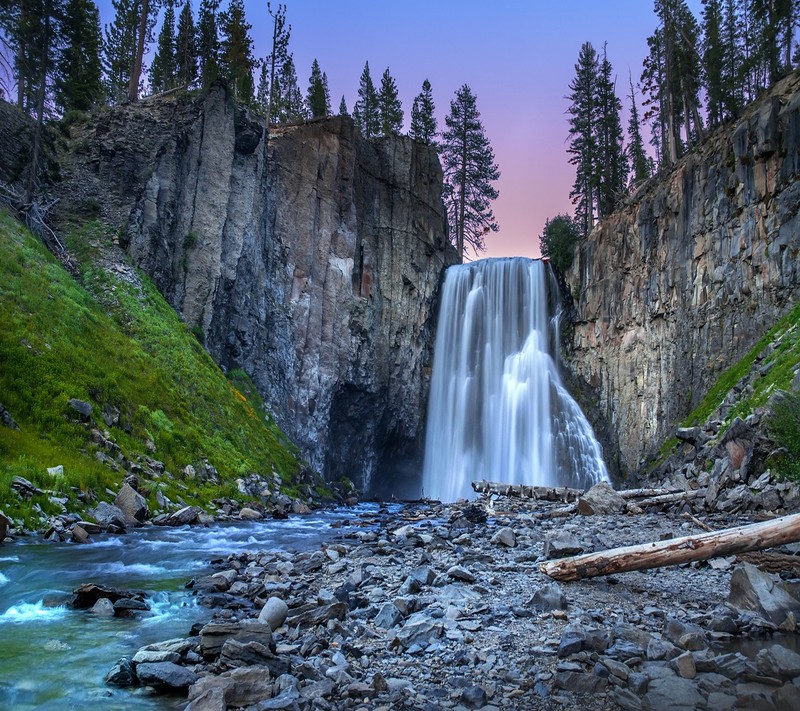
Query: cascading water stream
x,y
498,409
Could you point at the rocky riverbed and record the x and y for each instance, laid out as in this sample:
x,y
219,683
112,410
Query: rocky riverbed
x,y
432,607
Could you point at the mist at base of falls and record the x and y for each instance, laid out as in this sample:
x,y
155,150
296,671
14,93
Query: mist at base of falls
x,y
497,407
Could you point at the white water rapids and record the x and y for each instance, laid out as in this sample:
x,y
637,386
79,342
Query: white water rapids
x,y
498,409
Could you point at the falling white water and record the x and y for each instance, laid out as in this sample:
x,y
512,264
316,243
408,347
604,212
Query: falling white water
x,y
497,407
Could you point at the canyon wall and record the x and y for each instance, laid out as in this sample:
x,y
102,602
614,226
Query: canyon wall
x,y
312,264
681,282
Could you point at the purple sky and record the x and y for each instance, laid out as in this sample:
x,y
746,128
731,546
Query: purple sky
x,y
517,56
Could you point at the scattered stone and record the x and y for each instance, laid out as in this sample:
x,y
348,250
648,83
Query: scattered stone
x,y
562,543
548,598
6,420
505,536
273,613
389,616
183,517
109,515
778,661
457,572
248,514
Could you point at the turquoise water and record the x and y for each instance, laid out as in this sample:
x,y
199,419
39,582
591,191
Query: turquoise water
x,y
52,657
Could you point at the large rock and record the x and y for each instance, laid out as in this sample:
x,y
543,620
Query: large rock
x,y
165,674
5,525
108,515
132,504
601,499
763,593
685,277
312,263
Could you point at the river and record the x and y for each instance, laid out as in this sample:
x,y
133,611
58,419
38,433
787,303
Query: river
x,y
53,657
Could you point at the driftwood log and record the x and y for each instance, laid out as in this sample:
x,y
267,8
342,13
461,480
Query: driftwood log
x,y
741,539
524,491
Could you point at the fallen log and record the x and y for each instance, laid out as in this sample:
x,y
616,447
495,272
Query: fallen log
x,y
670,498
641,493
526,491
755,536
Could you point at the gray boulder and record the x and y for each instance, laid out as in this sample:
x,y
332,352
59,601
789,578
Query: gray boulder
x,y
81,407
548,598
121,674
778,661
601,499
562,543
389,616
132,505
165,674
108,515
762,593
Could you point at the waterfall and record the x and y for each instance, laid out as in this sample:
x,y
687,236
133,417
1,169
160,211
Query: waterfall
x,y
497,408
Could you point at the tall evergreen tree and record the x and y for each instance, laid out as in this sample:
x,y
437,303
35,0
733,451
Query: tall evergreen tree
x,y
469,171
367,111
146,11
713,59
119,48
654,83
79,74
612,168
389,107
262,90
164,70
423,122
237,51
277,59
583,148
208,45
732,69
291,106
186,48
343,108
317,101
640,163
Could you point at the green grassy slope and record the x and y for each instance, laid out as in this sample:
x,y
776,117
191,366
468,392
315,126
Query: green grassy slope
x,y
116,343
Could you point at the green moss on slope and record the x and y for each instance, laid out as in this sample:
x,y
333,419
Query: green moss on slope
x,y
113,341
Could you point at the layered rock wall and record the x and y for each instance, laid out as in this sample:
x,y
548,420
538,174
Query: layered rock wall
x,y
312,265
675,287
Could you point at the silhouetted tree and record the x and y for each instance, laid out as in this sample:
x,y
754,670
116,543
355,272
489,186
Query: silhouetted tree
x,y
164,69
560,237
367,113
469,171
79,70
237,51
389,107
186,48
423,122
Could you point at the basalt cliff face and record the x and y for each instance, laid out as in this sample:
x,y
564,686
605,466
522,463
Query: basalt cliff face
x,y
312,265
681,282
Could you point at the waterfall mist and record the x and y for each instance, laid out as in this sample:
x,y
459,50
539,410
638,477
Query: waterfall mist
x,y
497,407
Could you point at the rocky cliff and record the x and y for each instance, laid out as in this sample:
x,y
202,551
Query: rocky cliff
x,y
681,282
312,264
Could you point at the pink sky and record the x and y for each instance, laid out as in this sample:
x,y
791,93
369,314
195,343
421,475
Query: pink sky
x,y
517,56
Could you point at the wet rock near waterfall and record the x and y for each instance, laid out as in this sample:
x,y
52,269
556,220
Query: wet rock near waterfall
x,y
109,515
561,544
121,674
85,596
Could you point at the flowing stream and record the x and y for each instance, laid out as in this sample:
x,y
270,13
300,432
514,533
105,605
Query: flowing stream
x,y
52,657
497,408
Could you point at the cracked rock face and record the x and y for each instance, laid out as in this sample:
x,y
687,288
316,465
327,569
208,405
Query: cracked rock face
x,y
683,280
312,265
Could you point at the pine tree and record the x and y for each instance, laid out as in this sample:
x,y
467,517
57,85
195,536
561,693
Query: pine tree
x,y
186,48
612,168
653,82
713,55
389,107
79,80
343,108
208,46
237,51
262,90
732,72
367,112
291,106
146,11
423,122
583,147
469,171
119,48
163,71
277,59
317,103
640,163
